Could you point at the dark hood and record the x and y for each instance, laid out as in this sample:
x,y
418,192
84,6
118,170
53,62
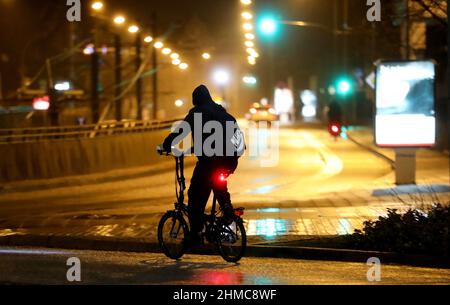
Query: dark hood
x,y
201,96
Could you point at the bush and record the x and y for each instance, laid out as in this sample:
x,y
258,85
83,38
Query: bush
x,y
415,232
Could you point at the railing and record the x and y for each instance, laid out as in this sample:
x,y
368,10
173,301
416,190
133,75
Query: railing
x,y
107,128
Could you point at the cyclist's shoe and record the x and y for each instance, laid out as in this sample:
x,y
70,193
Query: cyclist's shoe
x,y
195,240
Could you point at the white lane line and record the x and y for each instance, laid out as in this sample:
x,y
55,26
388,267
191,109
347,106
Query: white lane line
x,y
333,164
32,252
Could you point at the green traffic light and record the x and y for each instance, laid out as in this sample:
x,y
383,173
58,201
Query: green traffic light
x,y
344,87
268,26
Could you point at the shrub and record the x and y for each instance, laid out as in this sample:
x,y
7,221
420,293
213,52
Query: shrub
x,y
414,232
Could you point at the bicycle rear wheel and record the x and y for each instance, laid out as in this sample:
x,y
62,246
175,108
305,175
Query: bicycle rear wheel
x,y
172,234
232,241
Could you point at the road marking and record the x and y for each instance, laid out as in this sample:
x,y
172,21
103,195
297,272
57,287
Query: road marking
x,y
32,252
333,164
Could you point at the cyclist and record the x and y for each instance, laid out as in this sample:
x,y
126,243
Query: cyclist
x,y
204,179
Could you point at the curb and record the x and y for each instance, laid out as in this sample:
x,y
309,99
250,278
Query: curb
x,y
286,252
372,150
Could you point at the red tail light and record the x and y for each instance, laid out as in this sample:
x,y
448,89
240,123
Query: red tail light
x,y
334,129
221,177
239,212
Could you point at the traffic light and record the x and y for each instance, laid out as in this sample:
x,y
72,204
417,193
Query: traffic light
x,y
344,86
268,25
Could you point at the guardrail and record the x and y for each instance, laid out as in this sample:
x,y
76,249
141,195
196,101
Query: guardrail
x,y
107,128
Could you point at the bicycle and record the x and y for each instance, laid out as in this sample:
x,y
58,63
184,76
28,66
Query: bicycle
x,y
173,229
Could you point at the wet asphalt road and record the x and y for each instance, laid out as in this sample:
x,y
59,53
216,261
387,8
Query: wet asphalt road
x,y
275,190
44,266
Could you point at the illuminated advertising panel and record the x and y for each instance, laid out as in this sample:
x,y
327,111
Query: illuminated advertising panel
x,y
405,98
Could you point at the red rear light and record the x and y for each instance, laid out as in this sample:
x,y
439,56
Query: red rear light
x,y
221,177
334,129
239,213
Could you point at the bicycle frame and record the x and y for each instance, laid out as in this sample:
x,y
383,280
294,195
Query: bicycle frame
x,y
180,179
181,182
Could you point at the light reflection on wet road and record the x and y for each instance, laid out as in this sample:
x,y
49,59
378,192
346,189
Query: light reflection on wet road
x,y
318,187
40,267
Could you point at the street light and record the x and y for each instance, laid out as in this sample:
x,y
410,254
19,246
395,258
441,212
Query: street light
x,y
174,56
119,20
158,45
247,26
89,49
97,5
221,77
176,62
249,36
183,66
252,52
247,15
249,44
246,2
179,103
62,86
249,80
148,39
166,51
206,56
133,29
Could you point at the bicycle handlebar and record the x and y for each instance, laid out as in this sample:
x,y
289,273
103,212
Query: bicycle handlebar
x,y
161,151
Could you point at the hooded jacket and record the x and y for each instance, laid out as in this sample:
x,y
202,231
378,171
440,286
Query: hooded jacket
x,y
209,111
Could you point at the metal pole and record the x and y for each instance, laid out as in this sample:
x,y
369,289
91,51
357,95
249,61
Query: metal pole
x,y
1,87
155,68
408,42
54,107
72,39
335,41
271,73
95,104
139,80
448,77
53,111
345,38
118,77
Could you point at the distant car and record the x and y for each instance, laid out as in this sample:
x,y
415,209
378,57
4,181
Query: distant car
x,y
261,113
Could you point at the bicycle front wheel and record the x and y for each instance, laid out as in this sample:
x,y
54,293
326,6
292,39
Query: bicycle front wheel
x,y
232,241
172,234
